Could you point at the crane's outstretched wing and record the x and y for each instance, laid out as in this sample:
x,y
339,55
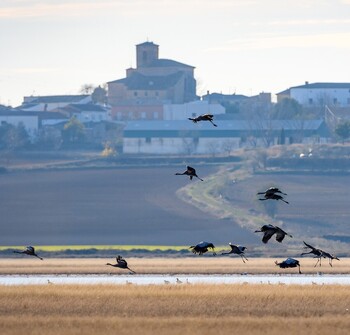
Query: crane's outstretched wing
x,y
267,235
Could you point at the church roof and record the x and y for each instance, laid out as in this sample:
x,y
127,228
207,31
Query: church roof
x,y
137,81
163,62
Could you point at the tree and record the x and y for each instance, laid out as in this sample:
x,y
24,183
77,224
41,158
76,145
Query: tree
x,y
287,109
343,130
99,95
87,89
13,137
73,131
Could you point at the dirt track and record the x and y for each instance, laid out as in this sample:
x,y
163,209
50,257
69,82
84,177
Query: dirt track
x,y
121,206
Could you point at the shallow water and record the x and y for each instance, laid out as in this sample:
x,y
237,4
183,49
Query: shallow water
x,y
294,279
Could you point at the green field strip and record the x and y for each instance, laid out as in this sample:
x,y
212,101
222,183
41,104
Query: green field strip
x,y
53,248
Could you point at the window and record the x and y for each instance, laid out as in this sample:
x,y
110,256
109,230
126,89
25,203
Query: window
x,y
146,93
143,115
135,94
335,101
310,101
148,140
144,56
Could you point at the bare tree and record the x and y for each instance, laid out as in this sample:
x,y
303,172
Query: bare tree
x,y
87,89
228,146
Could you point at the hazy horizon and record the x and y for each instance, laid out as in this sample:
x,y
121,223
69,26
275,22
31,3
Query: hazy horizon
x,y
244,47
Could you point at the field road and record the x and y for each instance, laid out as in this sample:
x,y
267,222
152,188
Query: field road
x,y
102,207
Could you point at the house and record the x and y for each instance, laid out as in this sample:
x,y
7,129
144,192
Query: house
x,y
185,137
85,112
49,103
238,103
51,118
311,95
30,121
153,83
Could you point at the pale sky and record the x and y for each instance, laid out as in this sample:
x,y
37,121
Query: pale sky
x,y
53,47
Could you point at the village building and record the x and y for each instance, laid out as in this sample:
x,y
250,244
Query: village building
x,y
154,82
319,95
86,112
185,137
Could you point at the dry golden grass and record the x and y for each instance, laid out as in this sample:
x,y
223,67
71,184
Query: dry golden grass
x,y
174,309
186,265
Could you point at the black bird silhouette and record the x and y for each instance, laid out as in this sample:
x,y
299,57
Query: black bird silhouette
x,y
236,249
121,263
319,254
204,117
272,190
273,196
191,172
289,263
28,251
202,247
329,256
314,251
269,230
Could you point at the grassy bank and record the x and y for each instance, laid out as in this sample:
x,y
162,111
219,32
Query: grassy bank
x,y
175,309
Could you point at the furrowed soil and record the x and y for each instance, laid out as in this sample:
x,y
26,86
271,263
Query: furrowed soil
x,y
135,206
174,309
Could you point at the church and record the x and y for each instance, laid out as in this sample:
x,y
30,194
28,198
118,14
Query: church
x,y
154,83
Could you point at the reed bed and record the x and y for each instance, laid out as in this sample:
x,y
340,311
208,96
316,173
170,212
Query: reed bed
x,y
174,309
186,265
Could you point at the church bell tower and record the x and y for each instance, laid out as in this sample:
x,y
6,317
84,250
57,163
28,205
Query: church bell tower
x,y
146,53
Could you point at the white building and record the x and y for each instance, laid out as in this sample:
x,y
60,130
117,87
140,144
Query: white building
x,y
30,121
191,109
185,137
319,94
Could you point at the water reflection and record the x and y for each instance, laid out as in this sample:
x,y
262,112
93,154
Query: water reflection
x,y
175,280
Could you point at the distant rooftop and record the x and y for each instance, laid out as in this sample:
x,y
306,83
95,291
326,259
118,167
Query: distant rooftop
x,y
223,125
318,86
324,85
76,108
54,99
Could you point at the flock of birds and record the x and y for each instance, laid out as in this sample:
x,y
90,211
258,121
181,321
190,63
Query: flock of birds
x,y
272,193
269,230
